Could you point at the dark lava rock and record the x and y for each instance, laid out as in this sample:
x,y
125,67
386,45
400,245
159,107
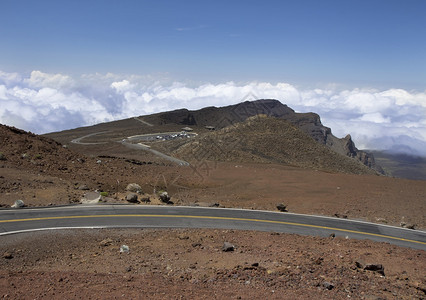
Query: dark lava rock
x,y
282,207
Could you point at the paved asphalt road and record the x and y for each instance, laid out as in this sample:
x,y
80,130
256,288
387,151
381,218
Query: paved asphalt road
x,y
150,137
143,216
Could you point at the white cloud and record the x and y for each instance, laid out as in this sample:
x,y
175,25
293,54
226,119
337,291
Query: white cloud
x,y
42,102
39,79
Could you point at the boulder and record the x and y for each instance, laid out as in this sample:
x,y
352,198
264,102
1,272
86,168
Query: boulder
x,y
124,249
328,285
134,188
91,198
18,204
145,199
132,198
370,267
228,247
164,197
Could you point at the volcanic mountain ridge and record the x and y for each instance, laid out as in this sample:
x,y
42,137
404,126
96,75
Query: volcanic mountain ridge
x,y
221,117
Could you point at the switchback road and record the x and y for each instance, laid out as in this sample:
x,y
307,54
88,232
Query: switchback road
x,y
142,216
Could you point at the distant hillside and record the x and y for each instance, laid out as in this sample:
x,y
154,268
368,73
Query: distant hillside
x,y
402,165
268,140
221,117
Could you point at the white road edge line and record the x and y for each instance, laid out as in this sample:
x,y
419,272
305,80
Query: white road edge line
x,y
92,227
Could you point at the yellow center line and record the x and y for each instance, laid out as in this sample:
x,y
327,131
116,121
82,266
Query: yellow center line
x,y
214,218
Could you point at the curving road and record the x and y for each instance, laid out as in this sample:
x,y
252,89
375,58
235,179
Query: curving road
x,y
142,216
78,140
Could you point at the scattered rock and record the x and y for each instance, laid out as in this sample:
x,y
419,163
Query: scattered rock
x,y
124,249
8,255
382,220
228,247
282,207
376,268
337,215
319,260
328,285
83,187
332,235
18,204
99,161
214,204
256,264
132,198
106,242
134,187
411,226
196,245
164,197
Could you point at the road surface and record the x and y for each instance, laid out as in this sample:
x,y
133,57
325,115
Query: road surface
x,y
146,216
150,137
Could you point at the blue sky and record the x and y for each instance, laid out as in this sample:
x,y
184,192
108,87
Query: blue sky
x,y
378,43
359,64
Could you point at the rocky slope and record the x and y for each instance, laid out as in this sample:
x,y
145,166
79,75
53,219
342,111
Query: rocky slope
x,y
266,139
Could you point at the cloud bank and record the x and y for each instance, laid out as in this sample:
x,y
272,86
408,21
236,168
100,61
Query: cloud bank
x,y
393,119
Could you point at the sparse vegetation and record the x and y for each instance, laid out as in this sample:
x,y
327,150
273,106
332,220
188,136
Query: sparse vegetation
x,y
104,194
2,156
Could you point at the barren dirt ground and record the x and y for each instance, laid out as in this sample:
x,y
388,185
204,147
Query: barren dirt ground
x,y
190,264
